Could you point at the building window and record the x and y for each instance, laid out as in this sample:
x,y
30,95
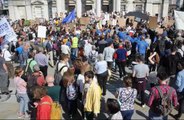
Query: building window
x,y
139,8
123,8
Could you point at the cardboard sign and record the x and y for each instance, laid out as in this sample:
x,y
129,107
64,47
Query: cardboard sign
x,y
135,24
84,20
131,18
159,31
152,22
121,22
169,23
42,31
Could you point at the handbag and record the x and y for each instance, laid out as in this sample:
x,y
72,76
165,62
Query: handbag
x,y
125,99
17,96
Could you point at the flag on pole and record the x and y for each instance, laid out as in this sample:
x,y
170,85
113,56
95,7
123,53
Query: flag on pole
x,y
70,17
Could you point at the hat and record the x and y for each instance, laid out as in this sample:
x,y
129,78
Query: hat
x,y
36,68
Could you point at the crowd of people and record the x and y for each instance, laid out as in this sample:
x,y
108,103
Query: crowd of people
x,y
84,61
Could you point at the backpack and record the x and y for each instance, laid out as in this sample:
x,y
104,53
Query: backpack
x,y
27,71
57,75
56,113
71,91
92,57
163,106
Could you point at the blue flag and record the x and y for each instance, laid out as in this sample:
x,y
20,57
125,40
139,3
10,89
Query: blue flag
x,y
70,17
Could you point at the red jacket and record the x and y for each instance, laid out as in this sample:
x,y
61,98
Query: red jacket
x,y
44,108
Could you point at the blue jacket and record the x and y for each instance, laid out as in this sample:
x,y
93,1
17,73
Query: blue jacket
x,y
180,81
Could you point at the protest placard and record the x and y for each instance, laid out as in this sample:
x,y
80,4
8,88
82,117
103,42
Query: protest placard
x,y
159,30
42,31
131,18
7,31
135,24
121,22
84,20
152,22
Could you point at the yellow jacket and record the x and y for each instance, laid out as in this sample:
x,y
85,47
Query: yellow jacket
x,y
93,97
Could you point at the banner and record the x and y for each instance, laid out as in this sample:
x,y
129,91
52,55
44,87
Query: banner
x,y
7,31
179,20
42,31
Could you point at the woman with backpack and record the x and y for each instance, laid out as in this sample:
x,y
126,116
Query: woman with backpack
x,y
44,103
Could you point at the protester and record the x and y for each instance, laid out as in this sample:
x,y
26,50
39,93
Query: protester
x,y
140,73
159,93
3,75
180,88
92,97
44,104
102,73
126,97
21,93
42,61
52,90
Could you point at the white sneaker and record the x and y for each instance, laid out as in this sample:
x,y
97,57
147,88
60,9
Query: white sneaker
x,y
143,106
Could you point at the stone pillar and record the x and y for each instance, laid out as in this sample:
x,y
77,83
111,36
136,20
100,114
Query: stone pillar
x,y
29,12
118,5
98,7
79,8
149,6
60,4
11,12
46,11
130,5
165,8
114,5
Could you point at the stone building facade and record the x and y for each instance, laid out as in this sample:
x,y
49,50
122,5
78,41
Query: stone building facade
x,y
31,9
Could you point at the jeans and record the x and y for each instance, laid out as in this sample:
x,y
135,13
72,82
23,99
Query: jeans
x,y
23,103
74,52
153,116
127,114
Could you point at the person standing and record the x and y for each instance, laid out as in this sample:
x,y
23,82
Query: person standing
x,y
92,97
140,73
42,61
126,97
21,90
120,57
74,46
102,73
3,75
158,110
180,89
7,56
108,55
142,46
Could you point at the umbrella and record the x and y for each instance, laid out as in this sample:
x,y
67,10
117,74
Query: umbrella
x,y
138,14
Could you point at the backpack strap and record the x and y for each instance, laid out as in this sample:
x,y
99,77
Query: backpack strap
x,y
161,94
28,65
62,68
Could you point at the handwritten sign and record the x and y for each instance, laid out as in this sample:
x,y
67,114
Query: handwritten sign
x,y
42,31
